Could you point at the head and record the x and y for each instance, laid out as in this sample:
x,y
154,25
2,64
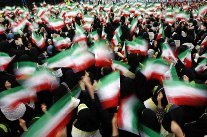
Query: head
x,y
7,84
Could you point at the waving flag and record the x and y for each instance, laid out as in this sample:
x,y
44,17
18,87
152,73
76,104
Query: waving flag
x,y
25,70
103,56
150,72
181,93
138,46
161,33
202,10
38,40
185,57
5,59
109,90
55,119
121,66
41,80
61,60
133,25
12,97
167,52
127,114
56,24
60,42
204,42
201,66
182,15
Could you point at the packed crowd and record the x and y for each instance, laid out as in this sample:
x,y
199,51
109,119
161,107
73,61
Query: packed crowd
x,y
125,69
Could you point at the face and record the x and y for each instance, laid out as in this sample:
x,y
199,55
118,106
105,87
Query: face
x,y
185,78
7,85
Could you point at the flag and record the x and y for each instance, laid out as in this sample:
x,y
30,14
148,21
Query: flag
x,y
167,52
123,51
118,31
121,66
169,20
61,60
103,55
201,66
133,25
185,58
56,24
41,80
12,97
127,114
82,61
137,46
115,40
182,16
5,59
181,93
2,29
202,10
87,26
161,33
60,42
38,40
54,119
25,69
204,42
150,72
171,74
147,132
109,90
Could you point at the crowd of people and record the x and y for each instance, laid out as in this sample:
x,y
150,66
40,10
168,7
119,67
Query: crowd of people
x,y
138,69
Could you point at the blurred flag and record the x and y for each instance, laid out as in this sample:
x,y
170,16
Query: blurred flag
x,y
5,59
12,97
38,40
55,119
185,57
109,90
155,69
181,93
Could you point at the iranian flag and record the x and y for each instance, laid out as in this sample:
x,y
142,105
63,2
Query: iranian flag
x,y
182,16
60,42
38,40
185,58
137,46
82,61
25,70
115,40
61,60
109,90
78,29
171,74
170,21
123,51
12,97
2,29
121,66
201,66
41,80
202,10
127,114
150,72
167,52
55,119
17,28
204,42
103,56
161,33
181,93
118,31
5,59
56,24
79,36
133,25
40,12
